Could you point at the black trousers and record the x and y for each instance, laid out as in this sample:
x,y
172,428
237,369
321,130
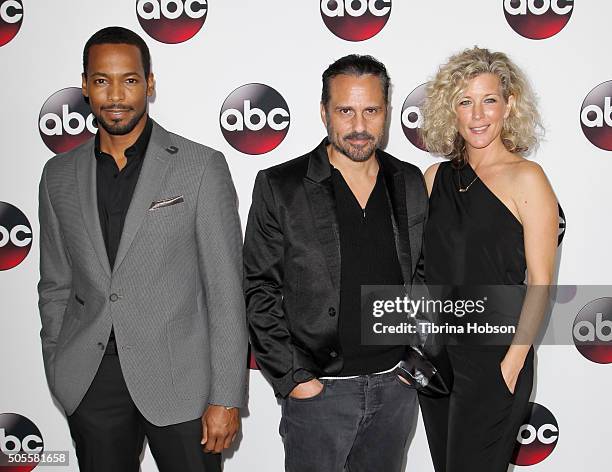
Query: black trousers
x,y
474,428
109,431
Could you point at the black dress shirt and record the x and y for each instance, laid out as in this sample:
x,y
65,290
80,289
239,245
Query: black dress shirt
x,y
115,188
368,257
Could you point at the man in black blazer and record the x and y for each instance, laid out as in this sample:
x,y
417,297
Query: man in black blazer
x,y
344,215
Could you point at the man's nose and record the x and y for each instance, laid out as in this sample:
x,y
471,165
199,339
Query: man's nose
x,y
116,92
359,123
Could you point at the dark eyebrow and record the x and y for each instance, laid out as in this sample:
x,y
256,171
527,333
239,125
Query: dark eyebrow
x,y
127,74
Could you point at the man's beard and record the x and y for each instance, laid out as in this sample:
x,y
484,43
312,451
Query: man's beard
x,y
356,154
115,128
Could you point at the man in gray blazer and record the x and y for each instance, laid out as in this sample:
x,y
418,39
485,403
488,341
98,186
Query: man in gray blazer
x,y
140,295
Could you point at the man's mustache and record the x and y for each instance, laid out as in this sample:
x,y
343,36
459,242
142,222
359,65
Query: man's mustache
x,y
116,107
360,136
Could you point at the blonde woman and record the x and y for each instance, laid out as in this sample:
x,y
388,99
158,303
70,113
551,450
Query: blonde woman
x,y
493,219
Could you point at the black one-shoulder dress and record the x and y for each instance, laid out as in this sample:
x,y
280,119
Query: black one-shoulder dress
x,y
472,238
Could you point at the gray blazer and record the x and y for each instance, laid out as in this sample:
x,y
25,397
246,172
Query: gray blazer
x,y
174,296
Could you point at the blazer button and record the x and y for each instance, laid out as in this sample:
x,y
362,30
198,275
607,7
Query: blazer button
x,y
332,311
333,354
113,297
101,346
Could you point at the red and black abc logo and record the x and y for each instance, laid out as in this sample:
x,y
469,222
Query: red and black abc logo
x,y
15,236
19,435
596,116
411,115
65,120
537,437
171,21
538,19
355,20
254,119
592,331
11,17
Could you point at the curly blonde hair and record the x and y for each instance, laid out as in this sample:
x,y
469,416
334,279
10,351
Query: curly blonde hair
x,y
522,129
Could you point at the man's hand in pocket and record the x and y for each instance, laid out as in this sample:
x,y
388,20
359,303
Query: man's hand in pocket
x,y
307,389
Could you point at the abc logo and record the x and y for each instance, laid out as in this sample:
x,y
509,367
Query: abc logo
x,y
171,21
254,119
252,362
596,116
11,17
592,331
355,20
18,435
564,293
562,225
15,236
65,120
411,115
537,437
538,19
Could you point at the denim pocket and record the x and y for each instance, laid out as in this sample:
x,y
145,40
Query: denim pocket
x,y
313,398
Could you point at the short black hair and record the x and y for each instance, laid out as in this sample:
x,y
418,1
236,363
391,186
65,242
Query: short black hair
x,y
355,64
118,35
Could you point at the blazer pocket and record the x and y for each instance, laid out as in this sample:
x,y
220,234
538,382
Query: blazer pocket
x,y
175,210
416,219
157,205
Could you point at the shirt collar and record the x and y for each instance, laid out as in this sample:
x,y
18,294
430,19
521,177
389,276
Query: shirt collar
x,y
136,150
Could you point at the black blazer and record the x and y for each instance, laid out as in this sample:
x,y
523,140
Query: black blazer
x,y
292,262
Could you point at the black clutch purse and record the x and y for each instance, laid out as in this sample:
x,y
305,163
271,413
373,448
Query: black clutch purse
x,y
419,371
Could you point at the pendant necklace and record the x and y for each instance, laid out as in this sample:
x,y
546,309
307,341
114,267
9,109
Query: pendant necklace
x,y
463,189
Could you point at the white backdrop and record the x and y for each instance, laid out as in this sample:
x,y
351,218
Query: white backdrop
x,y
286,45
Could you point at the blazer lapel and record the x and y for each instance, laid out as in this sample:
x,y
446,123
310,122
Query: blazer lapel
x,y
416,209
87,189
154,168
320,193
396,188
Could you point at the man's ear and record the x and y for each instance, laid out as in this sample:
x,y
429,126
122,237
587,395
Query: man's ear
x,y
84,85
323,114
150,85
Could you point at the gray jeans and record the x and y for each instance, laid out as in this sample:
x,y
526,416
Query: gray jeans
x,y
358,425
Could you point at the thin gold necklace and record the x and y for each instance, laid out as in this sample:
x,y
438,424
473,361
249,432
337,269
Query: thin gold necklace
x,y
463,189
